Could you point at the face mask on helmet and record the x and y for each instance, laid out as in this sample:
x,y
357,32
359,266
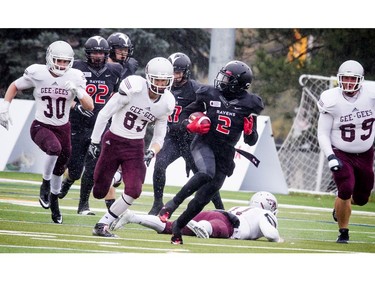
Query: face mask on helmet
x,y
97,51
117,42
264,200
159,75
350,76
233,78
59,51
181,64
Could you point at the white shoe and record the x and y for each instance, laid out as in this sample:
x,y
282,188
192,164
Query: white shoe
x,y
199,230
123,219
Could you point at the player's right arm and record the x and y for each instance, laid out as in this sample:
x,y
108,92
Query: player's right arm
x,y
111,107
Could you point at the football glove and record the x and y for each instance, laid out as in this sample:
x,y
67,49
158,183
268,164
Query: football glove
x,y
334,163
79,108
94,150
148,156
4,114
248,123
197,127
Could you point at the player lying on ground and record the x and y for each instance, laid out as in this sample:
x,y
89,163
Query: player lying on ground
x,y
245,223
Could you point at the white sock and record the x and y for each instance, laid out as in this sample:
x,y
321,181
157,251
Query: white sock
x,y
117,208
56,184
149,221
49,166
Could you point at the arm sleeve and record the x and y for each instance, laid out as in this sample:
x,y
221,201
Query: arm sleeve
x,y
268,227
325,123
160,129
111,107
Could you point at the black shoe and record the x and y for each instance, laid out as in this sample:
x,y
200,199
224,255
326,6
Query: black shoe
x,y
44,193
56,215
334,215
176,239
101,229
344,236
65,186
156,207
167,211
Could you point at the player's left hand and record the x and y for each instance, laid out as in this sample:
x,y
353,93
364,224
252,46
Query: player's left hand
x,y
4,115
334,163
148,156
248,123
78,108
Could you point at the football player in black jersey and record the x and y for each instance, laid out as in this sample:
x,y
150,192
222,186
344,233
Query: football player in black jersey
x,y
232,110
177,142
121,51
102,80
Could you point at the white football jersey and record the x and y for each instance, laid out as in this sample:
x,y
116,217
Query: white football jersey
x,y
132,110
52,100
256,223
353,120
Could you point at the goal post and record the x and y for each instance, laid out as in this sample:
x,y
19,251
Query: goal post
x,y
303,163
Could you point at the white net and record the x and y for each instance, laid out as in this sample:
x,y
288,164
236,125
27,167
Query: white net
x,y
304,165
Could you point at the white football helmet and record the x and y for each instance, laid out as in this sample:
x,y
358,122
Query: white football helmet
x,y
159,69
350,68
264,200
59,50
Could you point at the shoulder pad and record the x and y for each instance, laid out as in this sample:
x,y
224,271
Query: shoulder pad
x,y
195,85
36,71
131,84
171,102
115,66
202,89
328,99
369,88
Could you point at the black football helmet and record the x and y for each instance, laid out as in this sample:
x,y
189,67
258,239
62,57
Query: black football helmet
x,y
234,77
181,62
96,44
120,40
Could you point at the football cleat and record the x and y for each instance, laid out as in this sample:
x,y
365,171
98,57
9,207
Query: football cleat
x,y
167,211
176,239
101,229
55,211
65,187
86,212
123,219
199,230
164,214
343,236
44,194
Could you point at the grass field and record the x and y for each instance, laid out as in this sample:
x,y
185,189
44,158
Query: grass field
x,y
305,222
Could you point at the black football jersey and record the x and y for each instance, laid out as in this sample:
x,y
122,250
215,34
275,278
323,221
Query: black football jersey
x,y
100,85
184,96
227,116
129,68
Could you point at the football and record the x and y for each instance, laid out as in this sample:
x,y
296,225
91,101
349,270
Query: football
x,y
203,119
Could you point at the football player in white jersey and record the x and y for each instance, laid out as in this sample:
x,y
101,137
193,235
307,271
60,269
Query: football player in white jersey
x,y
346,136
138,102
245,223
55,85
